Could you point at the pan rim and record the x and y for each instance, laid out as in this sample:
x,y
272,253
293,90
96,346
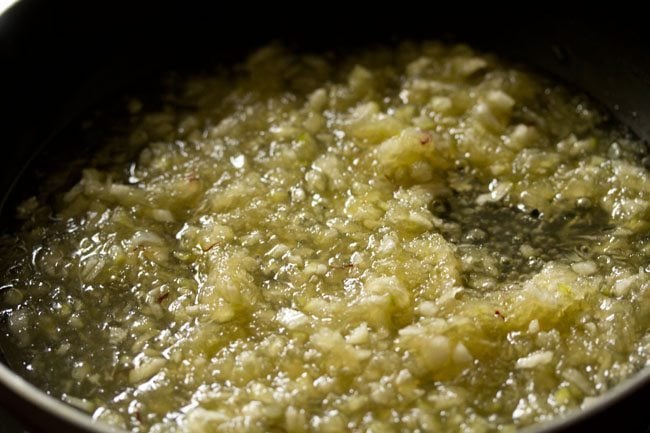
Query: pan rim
x,y
75,417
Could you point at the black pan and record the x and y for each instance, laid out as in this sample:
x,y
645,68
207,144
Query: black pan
x,y
60,59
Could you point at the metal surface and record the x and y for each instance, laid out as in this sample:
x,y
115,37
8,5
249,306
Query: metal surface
x,y
59,59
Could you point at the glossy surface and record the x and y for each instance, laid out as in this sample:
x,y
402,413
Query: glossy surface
x,y
414,239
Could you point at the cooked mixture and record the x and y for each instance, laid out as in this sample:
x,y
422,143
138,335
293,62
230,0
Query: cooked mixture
x,y
414,239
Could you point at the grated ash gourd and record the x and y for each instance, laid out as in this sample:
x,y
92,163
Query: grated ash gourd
x,y
409,239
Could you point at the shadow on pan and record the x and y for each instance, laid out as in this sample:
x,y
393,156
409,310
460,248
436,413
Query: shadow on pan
x,y
60,59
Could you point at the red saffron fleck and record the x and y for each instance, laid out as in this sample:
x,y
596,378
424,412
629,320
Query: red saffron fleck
x,y
343,266
162,297
499,315
205,250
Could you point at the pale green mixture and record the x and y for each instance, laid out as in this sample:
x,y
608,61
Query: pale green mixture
x,y
416,239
